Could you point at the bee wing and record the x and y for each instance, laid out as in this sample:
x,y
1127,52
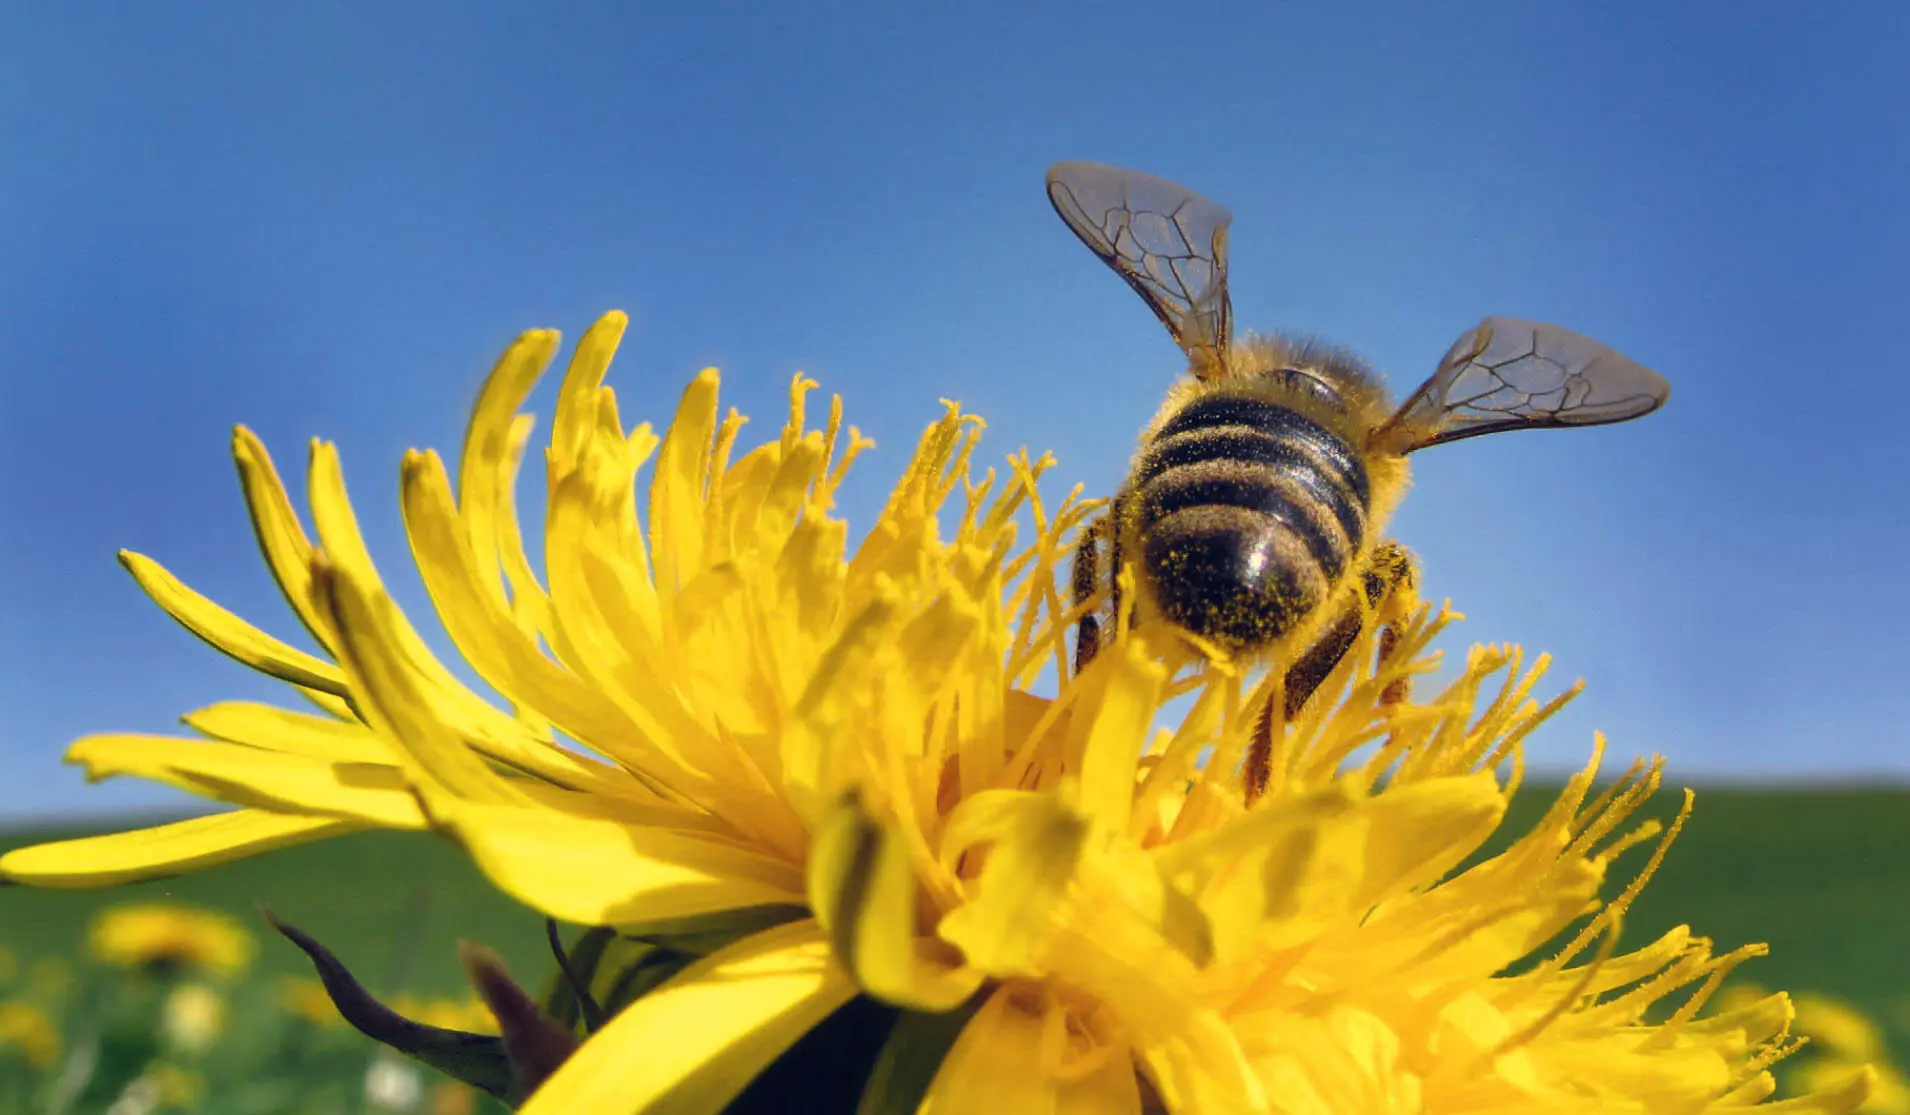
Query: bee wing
x,y
1508,374
1167,241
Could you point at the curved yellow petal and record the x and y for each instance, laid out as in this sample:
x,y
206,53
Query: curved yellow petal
x,y
1199,1067
1419,832
372,793
1006,1061
230,635
465,713
1120,699
605,872
128,857
814,764
1113,1088
295,733
1014,910
863,889
994,1066
287,548
688,1047
679,490
578,398
1347,1061
488,452
392,695
501,652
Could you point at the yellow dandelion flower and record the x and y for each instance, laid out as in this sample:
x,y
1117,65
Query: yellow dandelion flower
x,y
176,1087
161,936
305,998
1836,1027
192,1018
448,1098
720,708
1841,1041
465,1014
30,1033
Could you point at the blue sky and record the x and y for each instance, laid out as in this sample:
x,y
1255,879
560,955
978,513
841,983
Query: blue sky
x,y
325,220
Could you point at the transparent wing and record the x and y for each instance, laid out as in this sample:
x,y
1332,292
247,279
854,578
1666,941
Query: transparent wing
x,y
1168,242
1509,374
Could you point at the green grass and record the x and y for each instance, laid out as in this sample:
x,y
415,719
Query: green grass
x,y
392,905
1822,875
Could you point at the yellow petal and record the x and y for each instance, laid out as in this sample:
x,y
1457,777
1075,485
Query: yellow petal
x,y
1111,740
1005,927
1419,832
679,488
688,1047
607,609
1847,1096
127,857
602,872
1004,1062
465,713
862,887
393,696
1347,1061
578,398
374,793
1837,1027
913,1053
814,766
230,635
1200,1068
287,549
295,733
489,451
995,1066
1112,1089
479,621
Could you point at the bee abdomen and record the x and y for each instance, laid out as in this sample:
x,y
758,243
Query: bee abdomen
x,y
1248,514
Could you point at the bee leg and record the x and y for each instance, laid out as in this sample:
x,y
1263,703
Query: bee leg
x,y
1087,579
1306,674
1303,677
1389,581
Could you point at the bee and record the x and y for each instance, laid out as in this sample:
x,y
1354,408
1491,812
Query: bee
x,y
1253,510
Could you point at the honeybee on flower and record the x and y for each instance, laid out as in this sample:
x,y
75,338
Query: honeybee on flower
x,y
799,787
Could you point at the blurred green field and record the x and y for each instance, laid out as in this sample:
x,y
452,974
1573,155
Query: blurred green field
x,y
392,905
1821,874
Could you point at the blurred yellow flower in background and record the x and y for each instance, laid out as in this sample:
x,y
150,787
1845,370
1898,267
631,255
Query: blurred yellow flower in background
x,y
467,1013
719,707
1839,1042
177,1087
30,1033
173,938
192,1018
304,997
448,1098
1843,1040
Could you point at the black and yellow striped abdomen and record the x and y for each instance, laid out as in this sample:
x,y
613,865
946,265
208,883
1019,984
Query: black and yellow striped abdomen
x,y
1246,514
